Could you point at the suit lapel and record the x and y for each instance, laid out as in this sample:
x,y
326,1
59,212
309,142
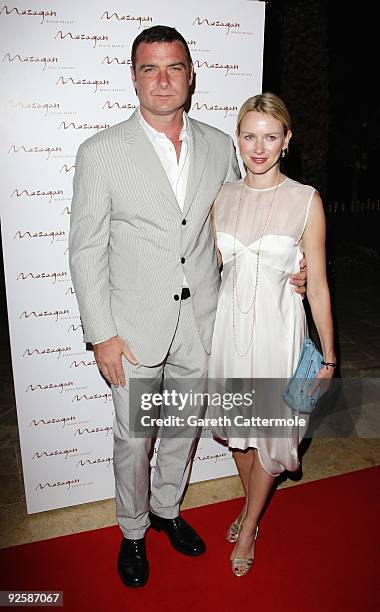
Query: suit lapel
x,y
198,158
145,157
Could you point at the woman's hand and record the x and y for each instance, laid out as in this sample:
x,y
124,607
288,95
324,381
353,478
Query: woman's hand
x,y
323,380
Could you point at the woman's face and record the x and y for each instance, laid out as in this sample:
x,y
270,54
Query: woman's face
x,y
261,141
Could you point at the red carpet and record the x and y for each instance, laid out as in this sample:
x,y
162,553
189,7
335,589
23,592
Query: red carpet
x,y
317,551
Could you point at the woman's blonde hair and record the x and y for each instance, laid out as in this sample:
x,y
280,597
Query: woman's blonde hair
x,y
269,104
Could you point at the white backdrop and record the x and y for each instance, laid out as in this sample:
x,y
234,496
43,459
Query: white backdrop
x,y
65,74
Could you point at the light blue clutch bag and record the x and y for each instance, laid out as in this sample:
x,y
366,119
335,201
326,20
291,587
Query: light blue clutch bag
x,y
297,395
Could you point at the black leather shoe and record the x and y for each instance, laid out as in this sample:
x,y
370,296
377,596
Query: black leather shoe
x,y
181,535
132,564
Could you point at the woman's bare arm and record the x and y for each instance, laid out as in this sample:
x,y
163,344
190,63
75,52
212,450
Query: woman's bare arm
x,y
318,294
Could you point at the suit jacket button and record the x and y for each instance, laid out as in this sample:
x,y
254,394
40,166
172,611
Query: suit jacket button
x,y
176,297
184,221
183,260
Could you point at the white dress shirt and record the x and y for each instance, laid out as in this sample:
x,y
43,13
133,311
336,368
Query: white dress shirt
x,y
177,171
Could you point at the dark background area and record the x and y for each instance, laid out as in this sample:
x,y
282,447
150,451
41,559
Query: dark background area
x,y
320,56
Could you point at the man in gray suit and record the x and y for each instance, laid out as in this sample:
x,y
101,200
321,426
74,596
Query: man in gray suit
x,y
143,263
144,267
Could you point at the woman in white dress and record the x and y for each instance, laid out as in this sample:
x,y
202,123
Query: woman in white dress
x,y
264,224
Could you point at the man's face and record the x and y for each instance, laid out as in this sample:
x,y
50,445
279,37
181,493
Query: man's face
x,y
162,77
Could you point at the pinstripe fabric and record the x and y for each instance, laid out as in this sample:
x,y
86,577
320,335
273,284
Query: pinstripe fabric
x,y
185,369
127,237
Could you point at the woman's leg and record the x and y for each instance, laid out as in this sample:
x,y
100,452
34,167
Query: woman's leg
x,y
259,486
243,460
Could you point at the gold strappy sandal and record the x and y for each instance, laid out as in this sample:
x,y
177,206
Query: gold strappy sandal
x,y
241,567
234,529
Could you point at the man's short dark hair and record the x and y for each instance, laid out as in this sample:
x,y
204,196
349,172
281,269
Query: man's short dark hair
x,y
162,34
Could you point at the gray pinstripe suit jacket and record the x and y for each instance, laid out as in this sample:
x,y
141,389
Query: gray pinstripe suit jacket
x,y
128,235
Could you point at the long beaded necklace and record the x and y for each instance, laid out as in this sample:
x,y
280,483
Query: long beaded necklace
x,y
235,294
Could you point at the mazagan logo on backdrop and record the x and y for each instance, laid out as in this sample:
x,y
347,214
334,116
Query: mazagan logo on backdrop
x,y
214,458
27,12
48,234
31,59
58,483
55,453
107,429
26,149
54,276
83,126
75,328
70,81
78,364
57,350
119,105
133,18
66,168
38,193
63,421
44,387
46,106
95,396
34,314
86,37
214,107
216,66
100,460
216,24
120,61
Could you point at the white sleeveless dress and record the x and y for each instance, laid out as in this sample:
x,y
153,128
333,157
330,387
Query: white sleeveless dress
x,y
280,322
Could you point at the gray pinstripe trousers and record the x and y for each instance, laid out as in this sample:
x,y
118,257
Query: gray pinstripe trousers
x,y
186,359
